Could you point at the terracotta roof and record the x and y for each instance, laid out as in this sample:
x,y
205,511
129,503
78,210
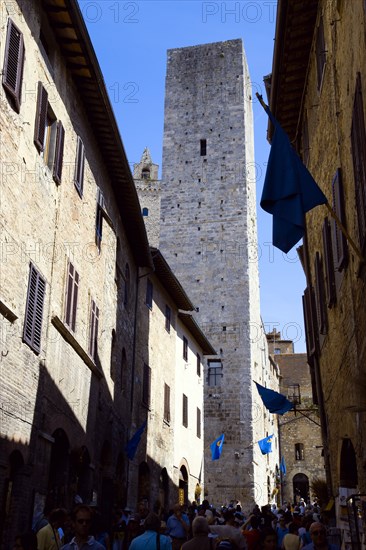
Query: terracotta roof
x,y
295,26
72,36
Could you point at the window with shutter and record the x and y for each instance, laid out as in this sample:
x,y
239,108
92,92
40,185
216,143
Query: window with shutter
x,y
185,348
41,118
99,218
72,288
166,403
310,322
146,386
198,423
93,330
320,295
330,286
34,310
320,53
198,364
358,142
79,167
185,411
59,153
340,249
13,64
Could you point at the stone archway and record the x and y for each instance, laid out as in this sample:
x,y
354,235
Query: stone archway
x,y
80,474
300,483
183,486
348,476
144,482
164,490
59,471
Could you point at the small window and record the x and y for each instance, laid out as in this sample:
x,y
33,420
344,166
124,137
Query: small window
x,y
72,289
149,294
166,403
168,315
34,310
320,53
299,451
145,212
198,423
79,166
99,218
93,330
293,394
49,135
185,348
127,286
203,147
13,65
145,174
146,386
112,365
185,411
214,376
277,351
198,364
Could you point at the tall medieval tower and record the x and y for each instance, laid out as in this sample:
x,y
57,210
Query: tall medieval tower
x,y
208,234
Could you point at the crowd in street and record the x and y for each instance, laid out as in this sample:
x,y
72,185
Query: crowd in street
x,y
196,527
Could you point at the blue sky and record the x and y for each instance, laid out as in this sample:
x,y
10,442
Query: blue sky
x,y
130,39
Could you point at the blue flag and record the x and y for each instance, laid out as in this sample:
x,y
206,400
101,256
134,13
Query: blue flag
x,y
265,445
289,190
216,447
273,401
283,466
132,444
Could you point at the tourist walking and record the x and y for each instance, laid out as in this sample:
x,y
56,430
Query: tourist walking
x,y
201,539
151,539
81,518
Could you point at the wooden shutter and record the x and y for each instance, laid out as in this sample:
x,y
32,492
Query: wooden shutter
x,y
149,293
168,315
79,167
330,286
13,64
358,141
185,348
34,310
99,218
320,295
41,118
311,330
198,364
93,335
167,402
198,423
340,249
71,297
146,385
185,411
59,153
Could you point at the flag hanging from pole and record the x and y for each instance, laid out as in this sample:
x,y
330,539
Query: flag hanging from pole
x,y
132,444
289,190
216,447
273,401
283,465
265,445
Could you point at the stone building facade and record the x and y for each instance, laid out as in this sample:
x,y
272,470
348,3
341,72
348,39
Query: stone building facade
x,y
74,260
299,432
324,116
208,234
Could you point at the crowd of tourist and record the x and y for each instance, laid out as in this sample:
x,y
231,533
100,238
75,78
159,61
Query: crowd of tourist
x,y
196,527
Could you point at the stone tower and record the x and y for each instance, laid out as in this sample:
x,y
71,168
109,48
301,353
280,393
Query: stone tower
x,y
208,234
145,174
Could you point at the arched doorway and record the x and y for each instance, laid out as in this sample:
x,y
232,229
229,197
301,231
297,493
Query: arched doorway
x,y
59,471
183,486
348,466
80,475
164,490
106,498
300,487
144,482
12,514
